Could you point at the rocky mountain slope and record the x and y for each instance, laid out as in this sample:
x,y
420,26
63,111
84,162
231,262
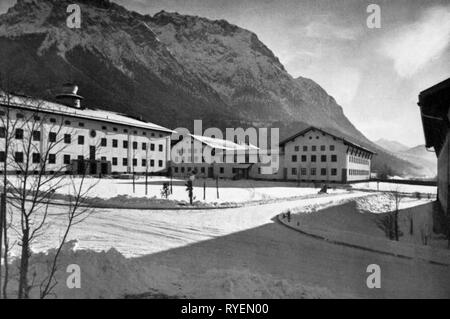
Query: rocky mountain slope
x,y
418,155
167,68
392,146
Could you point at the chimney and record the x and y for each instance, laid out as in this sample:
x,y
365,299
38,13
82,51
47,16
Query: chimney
x,y
68,96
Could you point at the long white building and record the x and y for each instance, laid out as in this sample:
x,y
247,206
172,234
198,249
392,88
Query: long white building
x,y
98,141
210,157
318,156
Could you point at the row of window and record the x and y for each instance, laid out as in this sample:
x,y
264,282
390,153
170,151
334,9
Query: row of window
x,y
80,124
52,136
36,159
314,148
197,159
358,172
358,160
183,169
313,171
323,158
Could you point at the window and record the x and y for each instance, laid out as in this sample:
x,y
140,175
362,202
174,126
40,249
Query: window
x,y
333,172
222,170
297,148
80,157
313,158
134,161
334,158
125,144
67,122
332,147
323,158
93,133
294,158
19,134
81,124
36,118
124,161
52,120
66,159
104,128
323,171
294,171
103,158
125,130
19,116
2,156
313,148
36,136
135,145
18,157
144,162
303,158
52,137
67,138
80,140
114,161
176,169
115,129
144,133
305,148
2,132
144,146
52,158
322,147
114,143
202,170
152,147
160,163
313,171
303,171
103,142
135,132
36,158
160,148
152,163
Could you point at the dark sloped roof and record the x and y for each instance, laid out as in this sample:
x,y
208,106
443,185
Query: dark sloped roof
x,y
434,105
344,140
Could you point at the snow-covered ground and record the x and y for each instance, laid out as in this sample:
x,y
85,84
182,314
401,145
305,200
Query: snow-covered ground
x,y
403,188
237,191
240,252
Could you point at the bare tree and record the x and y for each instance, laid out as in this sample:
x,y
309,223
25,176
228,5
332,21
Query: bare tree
x,y
31,191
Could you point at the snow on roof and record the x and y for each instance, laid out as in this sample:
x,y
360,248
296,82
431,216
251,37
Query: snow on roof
x,y
218,143
28,103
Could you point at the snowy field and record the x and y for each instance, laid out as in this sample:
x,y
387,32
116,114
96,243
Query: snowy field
x,y
234,253
403,188
237,191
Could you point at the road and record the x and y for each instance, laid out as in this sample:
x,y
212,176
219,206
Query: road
x,y
250,239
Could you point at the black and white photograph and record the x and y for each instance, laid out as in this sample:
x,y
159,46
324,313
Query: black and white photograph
x,y
241,151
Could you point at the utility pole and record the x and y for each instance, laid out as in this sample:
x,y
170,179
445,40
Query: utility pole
x,y
204,190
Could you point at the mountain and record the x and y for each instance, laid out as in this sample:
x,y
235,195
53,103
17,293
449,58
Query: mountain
x,y
168,68
391,146
418,155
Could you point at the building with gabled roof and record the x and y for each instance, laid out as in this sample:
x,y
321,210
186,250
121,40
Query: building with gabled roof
x,y
92,140
314,155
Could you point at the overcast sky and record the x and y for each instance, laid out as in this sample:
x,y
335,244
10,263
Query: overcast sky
x,y
375,74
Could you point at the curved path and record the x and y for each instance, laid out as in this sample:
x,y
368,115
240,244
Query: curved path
x,y
249,238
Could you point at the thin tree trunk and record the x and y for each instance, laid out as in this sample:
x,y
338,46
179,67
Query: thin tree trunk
x,y
24,263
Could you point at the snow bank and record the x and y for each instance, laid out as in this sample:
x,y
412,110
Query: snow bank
x,y
108,274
